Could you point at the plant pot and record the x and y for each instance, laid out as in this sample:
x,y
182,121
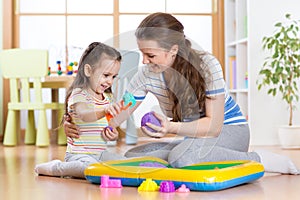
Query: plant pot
x,y
289,137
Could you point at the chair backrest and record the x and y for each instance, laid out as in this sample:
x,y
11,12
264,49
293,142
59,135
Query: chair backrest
x,y
24,63
24,68
129,67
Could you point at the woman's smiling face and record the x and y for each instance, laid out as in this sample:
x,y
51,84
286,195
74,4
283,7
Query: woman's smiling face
x,y
156,57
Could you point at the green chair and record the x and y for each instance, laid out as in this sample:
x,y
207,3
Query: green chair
x,y
25,70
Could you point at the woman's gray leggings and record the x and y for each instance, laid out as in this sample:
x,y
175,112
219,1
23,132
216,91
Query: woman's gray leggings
x,y
232,144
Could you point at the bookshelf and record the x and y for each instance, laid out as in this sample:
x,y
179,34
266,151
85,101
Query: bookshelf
x,y
236,52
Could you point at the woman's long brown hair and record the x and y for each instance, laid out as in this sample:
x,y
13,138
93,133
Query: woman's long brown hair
x,y
187,87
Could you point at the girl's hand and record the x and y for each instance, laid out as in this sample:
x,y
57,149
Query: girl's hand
x,y
113,109
71,130
110,134
159,131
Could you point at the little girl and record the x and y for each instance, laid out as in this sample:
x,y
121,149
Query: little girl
x,y
88,100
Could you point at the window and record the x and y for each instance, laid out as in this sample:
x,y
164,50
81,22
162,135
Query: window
x,y
66,27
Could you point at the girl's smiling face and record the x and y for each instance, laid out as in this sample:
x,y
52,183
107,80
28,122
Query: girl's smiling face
x,y
156,57
101,78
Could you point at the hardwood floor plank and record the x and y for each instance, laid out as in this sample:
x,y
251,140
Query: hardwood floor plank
x,y
19,181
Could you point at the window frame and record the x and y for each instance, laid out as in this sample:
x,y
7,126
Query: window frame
x,y
11,24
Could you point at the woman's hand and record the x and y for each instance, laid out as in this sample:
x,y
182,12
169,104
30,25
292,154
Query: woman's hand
x,y
159,131
70,128
110,134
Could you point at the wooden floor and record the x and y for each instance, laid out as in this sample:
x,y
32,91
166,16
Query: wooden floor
x,y
18,181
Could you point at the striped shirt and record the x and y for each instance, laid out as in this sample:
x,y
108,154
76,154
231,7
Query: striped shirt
x,y
90,141
147,81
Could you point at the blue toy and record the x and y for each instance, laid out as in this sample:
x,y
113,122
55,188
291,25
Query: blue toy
x,y
127,101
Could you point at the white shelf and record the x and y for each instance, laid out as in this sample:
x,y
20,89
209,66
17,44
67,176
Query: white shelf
x,y
241,41
236,52
238,90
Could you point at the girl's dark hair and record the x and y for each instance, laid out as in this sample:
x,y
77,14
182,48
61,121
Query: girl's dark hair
x,y
92,55
187,87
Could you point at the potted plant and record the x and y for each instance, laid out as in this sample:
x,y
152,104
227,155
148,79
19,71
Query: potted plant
x,y
281,71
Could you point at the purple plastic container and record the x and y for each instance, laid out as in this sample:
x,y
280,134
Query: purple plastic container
x,y
167,186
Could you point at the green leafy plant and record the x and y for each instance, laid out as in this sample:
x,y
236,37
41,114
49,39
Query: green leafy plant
x,y
281,70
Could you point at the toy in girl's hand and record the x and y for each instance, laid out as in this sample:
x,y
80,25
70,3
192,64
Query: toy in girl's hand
x,y
150,118
128,100
109,127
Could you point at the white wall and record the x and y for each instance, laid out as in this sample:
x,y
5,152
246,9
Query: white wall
x,y
1,24
1,83
267,113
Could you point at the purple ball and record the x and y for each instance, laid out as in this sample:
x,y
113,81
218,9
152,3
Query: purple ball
x,y
150,118
109,127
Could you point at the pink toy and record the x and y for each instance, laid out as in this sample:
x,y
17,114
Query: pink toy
x,y
107,183
167,186
183,189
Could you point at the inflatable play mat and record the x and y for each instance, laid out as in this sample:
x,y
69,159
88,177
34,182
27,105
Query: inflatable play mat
x,y
208,176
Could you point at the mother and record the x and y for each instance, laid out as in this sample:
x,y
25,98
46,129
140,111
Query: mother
x,y
192,93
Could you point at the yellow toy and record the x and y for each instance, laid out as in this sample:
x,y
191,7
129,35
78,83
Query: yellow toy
x,y
208,176
70,68
148,186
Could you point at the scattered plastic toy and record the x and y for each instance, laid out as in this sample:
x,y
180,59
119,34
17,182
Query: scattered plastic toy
x,y
107,183
59,72
70,68
148,186
150,118
183,189
167,186
49,70
75,69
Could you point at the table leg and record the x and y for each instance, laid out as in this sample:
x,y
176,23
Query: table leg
x,y
54,98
